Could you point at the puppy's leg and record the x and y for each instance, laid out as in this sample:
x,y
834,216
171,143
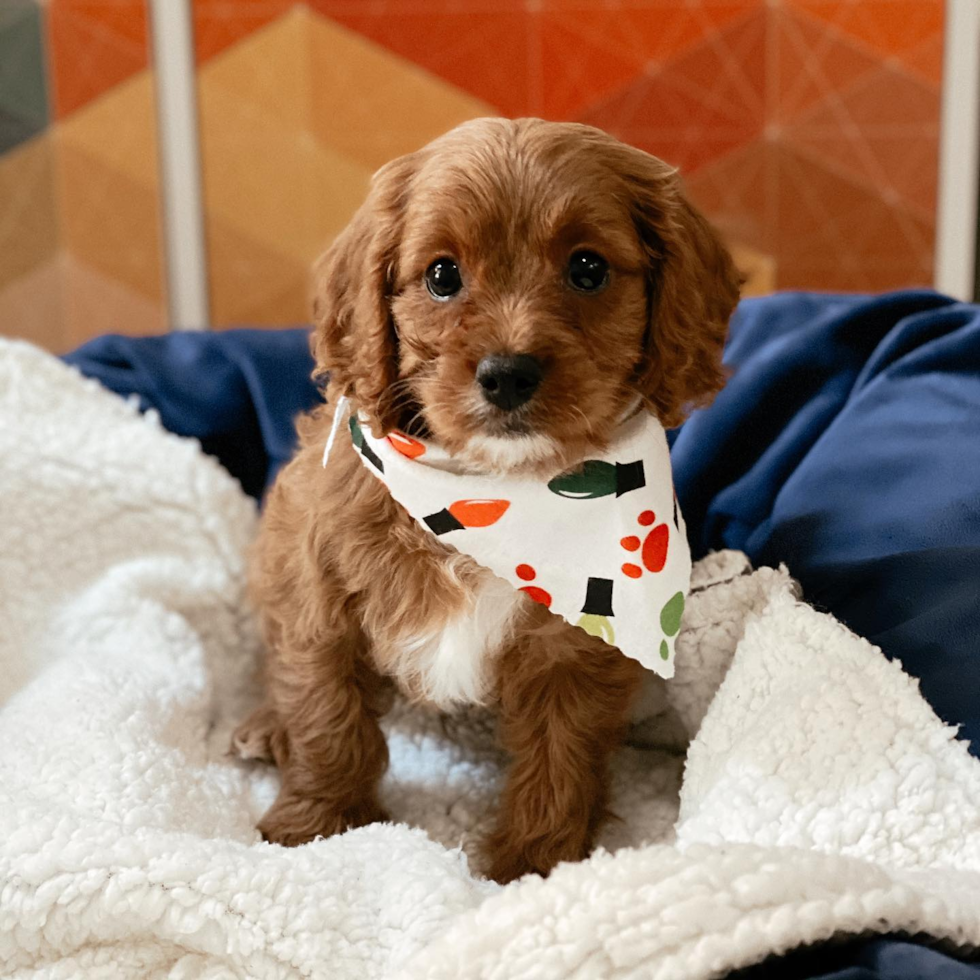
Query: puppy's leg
x,y
328,701
565,703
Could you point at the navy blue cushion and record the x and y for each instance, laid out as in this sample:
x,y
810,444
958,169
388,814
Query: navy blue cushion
x,y
883,958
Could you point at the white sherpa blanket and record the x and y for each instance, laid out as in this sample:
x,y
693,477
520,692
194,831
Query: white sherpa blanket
x,y
821,795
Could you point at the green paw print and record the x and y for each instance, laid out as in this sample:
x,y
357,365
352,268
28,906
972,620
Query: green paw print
x,y
670,621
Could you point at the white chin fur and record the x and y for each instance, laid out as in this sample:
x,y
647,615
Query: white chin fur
x,y
509,452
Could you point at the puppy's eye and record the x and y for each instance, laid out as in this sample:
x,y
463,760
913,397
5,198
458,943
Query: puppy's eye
x,y
588,271
442,279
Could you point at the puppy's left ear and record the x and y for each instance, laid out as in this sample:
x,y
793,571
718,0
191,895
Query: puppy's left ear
x,y
355,341
693,290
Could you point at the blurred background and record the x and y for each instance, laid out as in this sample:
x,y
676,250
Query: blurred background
x,y
809,130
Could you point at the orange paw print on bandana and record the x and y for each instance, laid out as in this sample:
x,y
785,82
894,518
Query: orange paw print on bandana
x,y
527,574
652,548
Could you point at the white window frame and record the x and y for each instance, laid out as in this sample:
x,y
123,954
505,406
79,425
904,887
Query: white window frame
x,y
957,220
180,164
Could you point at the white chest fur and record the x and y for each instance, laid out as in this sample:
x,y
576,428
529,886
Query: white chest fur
x,y
453,663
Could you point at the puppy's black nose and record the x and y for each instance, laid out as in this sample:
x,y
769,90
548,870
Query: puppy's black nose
x,y
508,380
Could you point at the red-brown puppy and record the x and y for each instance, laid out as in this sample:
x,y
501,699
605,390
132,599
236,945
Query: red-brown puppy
x,y
571,268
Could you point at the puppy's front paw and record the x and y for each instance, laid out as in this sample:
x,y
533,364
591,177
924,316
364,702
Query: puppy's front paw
x,y
509,858
295,820
505,868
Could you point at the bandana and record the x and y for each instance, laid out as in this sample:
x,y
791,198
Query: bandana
x,y
603,546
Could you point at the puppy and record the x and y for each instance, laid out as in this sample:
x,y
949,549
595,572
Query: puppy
x,y
574,264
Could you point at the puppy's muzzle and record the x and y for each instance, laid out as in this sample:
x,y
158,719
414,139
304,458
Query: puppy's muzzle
x,y
509,380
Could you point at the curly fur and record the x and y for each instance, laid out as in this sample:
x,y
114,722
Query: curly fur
x,y
354,596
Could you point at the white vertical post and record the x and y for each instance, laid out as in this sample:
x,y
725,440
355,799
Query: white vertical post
x,y
180,164
959,159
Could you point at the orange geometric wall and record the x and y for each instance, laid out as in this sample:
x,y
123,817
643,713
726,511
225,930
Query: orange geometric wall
x,y
808,129
81,191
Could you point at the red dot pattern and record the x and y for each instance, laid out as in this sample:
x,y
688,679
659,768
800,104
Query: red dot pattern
x,y
647,518
525,572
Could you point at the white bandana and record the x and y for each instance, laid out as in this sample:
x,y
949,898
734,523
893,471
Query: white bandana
x,y
603,546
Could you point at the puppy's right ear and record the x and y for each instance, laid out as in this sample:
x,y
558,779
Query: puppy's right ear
x,y
355,340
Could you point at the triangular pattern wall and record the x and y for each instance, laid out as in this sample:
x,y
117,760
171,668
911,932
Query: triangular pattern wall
x,y
808,129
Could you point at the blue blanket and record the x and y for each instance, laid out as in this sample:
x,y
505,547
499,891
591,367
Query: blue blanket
x,y
846,445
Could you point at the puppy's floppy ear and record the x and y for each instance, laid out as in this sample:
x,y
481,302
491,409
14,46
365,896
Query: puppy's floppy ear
x,y
693,290
355,340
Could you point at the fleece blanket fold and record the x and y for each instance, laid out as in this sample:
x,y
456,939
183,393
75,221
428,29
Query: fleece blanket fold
x,y
821,797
